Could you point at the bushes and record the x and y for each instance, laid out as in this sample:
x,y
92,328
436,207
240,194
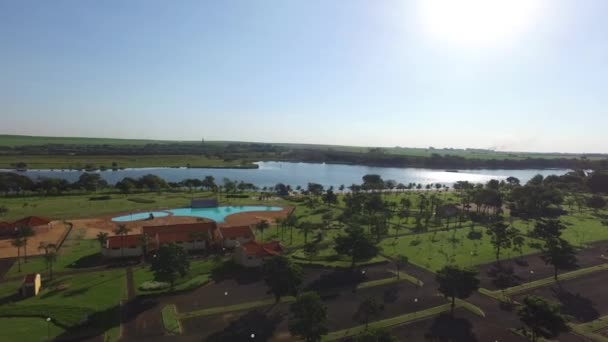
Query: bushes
x,y
141,200
153,285
100,198
237,196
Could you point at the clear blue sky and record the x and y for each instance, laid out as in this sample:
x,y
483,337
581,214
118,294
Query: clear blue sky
x,y
356,72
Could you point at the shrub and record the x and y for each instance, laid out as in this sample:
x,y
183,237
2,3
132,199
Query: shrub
x,y
153,285
141,200
100,198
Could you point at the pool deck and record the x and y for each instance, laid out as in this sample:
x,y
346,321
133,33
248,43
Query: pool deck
x,y
105,223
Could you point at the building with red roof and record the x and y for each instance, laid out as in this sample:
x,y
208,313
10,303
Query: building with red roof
x,y
236,235
253,253
191,236
31,285
37,223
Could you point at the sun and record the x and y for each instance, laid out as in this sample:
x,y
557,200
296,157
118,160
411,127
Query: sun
x,y
478,23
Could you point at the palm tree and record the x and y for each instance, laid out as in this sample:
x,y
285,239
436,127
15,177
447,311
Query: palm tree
x,y
50,255
291,222
306,227
261,226
280,222
18,242
144,241
122,230
25,233
102,238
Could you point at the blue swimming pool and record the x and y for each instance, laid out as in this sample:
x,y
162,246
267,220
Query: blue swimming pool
x,y
139,216
216,214
219,214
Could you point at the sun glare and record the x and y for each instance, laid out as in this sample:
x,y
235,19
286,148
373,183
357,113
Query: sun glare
x,y
478,23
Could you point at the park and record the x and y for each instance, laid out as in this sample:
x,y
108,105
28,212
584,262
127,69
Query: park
x,y
474,262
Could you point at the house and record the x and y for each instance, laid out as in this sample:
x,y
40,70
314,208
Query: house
x,y
31,285
199,235
253,253
237,235
190,236
38,224
123,246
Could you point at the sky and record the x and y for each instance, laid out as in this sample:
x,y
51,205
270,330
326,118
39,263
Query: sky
x,y
516,75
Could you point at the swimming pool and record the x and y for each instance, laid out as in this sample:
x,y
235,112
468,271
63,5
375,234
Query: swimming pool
x,y
139,216
217,214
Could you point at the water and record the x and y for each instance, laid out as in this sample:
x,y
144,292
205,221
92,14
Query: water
x,y
139,216
294,174
216,214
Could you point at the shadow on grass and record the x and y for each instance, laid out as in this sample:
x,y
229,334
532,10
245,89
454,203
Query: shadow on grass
x,y
95,325
503,276
254,325
446,328
576,305
338,278
242,275
88,261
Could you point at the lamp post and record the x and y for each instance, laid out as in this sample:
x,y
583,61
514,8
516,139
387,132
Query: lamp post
x,y
48,328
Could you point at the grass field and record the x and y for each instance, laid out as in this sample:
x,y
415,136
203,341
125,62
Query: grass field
x,y
123,161
69,301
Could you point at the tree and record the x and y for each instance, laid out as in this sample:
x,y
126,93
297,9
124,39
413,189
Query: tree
x,y
356,244
376,335
171,262
282,276
548,229
209,183
122,231
306,228
311,249
18,243
291,221
400,262
560,254
368,309
598,182
261,226
596,202
330,198
501,237
25,233
308,317
542,318
102,238
455,282
50,255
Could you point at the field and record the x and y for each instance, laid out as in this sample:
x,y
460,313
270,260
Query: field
x,y
78,162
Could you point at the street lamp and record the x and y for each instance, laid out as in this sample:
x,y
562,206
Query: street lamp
x,y
48,328
252,336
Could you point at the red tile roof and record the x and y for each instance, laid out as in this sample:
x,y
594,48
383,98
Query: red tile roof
x,y
254,248
205,227
175,237
31,221
125,241
29,278
5,225
237,232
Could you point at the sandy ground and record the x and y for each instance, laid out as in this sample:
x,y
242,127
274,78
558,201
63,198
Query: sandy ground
x,y
53,235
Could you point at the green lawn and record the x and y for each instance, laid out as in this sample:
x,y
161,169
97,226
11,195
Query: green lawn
x,y
28,330
200,272
69,300
170,320
434,250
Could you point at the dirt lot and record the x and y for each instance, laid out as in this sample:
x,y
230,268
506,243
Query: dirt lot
x,y
54,235
587,257
584,298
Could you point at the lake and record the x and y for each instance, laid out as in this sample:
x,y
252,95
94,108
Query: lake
x,y
294,174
